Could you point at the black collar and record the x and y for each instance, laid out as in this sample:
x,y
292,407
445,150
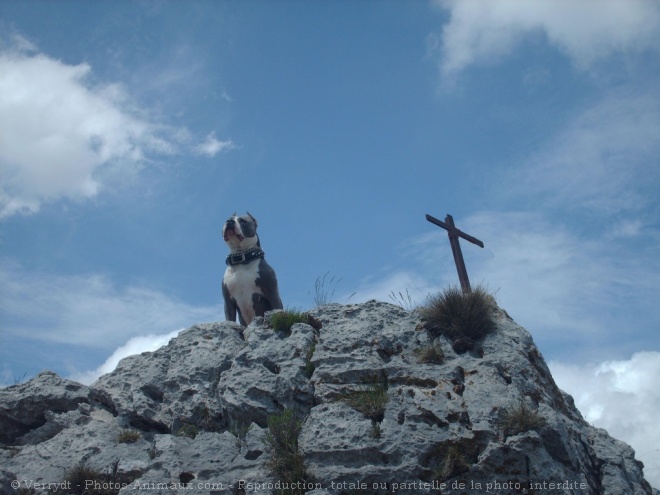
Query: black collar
x,y
245,257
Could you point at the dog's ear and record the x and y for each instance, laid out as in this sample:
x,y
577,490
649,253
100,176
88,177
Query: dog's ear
x,y
233,214
253,219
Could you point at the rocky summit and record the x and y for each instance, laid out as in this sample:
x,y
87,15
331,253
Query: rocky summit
x,y
359,400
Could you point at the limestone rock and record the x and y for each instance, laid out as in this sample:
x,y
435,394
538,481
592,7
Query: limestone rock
x,y
25,407
193,415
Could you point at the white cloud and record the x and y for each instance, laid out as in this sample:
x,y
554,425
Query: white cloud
x,y
135,345
605,158
622,397
65,135
89,310
482,31
61,133
212,146
535,264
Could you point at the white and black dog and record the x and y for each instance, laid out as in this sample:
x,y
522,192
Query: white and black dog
x,y
249,286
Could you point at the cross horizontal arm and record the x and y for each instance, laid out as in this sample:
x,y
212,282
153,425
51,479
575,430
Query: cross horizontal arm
x,y
467,237
453,230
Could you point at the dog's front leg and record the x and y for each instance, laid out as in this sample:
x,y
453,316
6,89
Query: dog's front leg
x,y
230,304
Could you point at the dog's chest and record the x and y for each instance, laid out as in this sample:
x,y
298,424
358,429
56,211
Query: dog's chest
x,y
241,284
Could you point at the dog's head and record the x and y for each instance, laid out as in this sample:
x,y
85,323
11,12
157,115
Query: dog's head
x,y
240,232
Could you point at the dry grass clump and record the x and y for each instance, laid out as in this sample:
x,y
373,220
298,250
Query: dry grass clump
x,y
83,479
406,302
431,354
129,436
520,418
459,315
323,293
80,475
453,464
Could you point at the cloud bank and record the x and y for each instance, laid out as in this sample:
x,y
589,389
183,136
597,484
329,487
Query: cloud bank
x,y
135,345
604,159
89,310
63,134
622,397
483,31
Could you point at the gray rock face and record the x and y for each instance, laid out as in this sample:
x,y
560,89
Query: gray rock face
x,y
376,420
26,411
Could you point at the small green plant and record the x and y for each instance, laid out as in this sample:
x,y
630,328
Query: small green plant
x,y
370,401
407,303
375,429
520,418
431,354
187,430
240,430
283,321
453,464
129,436
286,463
459,315
204,417
309,366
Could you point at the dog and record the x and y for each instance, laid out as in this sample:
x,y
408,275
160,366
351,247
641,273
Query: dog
x,y
249,286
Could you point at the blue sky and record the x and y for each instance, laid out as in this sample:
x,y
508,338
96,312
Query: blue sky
x,y
129,131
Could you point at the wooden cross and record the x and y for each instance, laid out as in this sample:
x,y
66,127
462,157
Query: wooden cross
x,y
454,234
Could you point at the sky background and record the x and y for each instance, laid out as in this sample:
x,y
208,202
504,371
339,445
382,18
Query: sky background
x,y
130,130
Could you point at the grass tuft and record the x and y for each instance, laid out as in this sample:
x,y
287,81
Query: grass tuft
x,y
520,418
80,474
286,463
282,321
370,401
453,464
406,302
431,354
129,436
459,315
323,293
83,479
309,366
376,430
187,430
240,430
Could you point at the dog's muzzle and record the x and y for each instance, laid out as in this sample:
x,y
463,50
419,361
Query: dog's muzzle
x,y
230,228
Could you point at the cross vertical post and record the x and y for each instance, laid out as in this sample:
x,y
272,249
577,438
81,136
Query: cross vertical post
x,y
454,234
